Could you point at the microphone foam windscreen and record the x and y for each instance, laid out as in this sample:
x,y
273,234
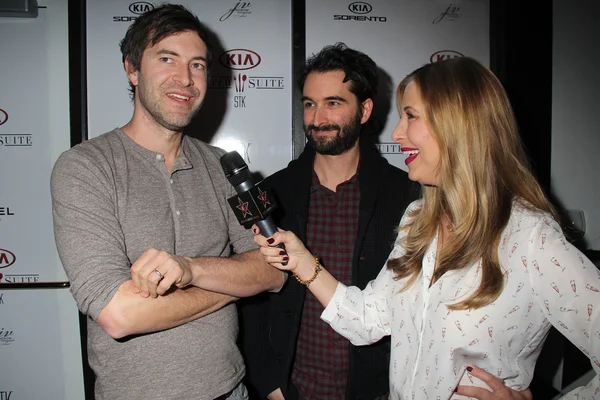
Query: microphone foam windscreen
x,y
235,168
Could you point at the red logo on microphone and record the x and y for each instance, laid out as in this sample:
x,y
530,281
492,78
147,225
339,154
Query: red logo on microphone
x,y
243,207
263,197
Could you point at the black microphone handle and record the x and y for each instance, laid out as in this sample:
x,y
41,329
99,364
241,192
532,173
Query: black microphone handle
x,y
268,228
244,186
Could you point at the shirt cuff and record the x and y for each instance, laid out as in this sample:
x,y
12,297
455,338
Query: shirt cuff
x,y
332,309
285,278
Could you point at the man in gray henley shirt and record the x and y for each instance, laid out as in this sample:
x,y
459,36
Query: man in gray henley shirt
x,y
144,231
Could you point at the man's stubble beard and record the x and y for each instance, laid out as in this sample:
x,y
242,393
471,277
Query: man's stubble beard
x,y
344,140
152,103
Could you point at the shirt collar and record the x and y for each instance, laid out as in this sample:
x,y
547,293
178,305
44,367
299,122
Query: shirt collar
x,y
156,158
316,183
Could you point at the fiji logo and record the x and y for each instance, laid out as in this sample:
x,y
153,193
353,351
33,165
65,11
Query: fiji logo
x,y
444,55
140,7
360,7
239,59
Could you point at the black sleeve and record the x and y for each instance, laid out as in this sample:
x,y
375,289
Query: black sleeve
x,y
255,345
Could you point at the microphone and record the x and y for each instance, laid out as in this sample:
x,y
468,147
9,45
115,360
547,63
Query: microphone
x,y
252,205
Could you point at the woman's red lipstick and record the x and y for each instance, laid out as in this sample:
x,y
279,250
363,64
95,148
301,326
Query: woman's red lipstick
x,y
411,157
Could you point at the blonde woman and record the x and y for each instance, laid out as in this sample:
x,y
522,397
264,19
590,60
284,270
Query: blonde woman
x,y
480,270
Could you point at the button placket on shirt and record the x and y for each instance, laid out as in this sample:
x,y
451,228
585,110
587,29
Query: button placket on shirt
x,y
180,163
160,157
426,294
332,199
177,212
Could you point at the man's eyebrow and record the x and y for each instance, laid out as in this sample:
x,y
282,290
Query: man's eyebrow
x,y
174,53
169,52
336,98
329,98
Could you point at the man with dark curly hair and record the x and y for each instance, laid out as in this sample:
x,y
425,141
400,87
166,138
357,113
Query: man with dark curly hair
x,y
343,199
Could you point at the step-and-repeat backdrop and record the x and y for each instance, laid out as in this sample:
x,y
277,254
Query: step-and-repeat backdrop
x,y
248,108
40,352
248,103
399,36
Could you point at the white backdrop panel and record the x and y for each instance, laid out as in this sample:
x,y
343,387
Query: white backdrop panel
x,y
34,96
40,352
399,36
251,114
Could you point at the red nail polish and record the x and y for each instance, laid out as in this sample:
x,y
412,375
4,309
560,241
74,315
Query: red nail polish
x,y
282,253
469,369
270,240
286,258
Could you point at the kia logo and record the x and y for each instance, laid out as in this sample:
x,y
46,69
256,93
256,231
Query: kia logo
x,y
3,117
239,59
444,55
7,258
360,7
140,7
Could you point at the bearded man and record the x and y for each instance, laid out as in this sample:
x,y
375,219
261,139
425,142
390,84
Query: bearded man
x,y
344,200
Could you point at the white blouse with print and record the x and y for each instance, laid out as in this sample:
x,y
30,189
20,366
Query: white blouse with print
x,y
547,282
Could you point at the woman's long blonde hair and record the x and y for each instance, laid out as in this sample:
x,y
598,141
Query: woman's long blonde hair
x,y
482,169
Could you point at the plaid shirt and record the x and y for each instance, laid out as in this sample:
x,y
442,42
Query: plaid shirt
x,y
321,366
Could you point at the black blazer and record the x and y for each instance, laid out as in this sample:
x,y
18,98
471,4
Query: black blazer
x,y
270,322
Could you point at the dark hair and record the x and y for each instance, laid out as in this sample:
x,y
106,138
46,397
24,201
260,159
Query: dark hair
x,y
153,26
358,67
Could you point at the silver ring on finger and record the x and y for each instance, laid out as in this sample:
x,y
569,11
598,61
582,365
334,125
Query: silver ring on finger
x,y
157,272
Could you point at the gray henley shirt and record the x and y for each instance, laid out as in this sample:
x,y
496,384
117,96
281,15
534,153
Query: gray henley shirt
x,y
113,199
